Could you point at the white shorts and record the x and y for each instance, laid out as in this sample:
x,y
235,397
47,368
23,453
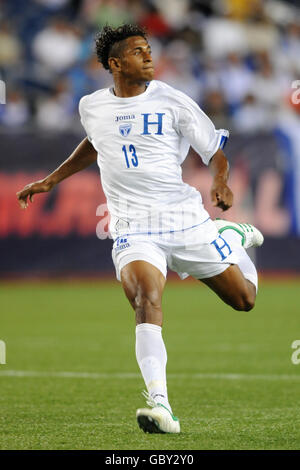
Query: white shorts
x,y
199,251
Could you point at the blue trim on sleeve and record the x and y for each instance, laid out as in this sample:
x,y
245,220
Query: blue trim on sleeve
x,y
223,142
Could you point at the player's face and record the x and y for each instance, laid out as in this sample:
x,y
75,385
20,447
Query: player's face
x,y
136,60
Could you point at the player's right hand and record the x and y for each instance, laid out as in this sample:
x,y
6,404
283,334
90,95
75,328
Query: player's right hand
x,y
30,189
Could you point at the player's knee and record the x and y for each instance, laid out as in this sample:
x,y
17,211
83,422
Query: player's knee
x,y
245,302
248,304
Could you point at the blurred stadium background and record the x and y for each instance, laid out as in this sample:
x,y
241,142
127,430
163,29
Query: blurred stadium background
x,y
238,59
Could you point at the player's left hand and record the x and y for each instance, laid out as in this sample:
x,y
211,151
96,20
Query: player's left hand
x,y
29,190
221,195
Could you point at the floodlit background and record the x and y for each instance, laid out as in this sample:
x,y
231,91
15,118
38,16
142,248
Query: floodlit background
x,y
238,59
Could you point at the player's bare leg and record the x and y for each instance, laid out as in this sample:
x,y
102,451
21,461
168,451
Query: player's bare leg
x,y
143,285
232,287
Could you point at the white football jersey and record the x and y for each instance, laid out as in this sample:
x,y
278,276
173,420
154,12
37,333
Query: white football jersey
x,y
141,143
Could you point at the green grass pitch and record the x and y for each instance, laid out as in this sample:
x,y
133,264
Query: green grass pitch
x,y
71,380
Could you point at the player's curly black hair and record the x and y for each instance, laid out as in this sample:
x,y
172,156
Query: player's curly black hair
x,y
108,37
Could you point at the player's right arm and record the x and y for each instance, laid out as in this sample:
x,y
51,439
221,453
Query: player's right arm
x,y
83,156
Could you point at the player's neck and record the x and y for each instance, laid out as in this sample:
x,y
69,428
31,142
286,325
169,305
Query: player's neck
x,y
126,89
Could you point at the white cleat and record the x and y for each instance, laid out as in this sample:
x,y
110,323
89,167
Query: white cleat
x,y
157,419
251,236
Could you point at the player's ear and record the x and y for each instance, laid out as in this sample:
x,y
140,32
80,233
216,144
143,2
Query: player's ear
x,y
114,64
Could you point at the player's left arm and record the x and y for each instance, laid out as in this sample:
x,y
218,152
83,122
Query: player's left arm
x,y
221,194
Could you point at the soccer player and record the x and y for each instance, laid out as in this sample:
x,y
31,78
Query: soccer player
x,y
140,131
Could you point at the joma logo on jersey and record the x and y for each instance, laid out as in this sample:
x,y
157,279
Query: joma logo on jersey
x,y
124,117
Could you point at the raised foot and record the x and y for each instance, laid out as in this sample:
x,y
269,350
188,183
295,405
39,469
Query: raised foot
x,y
250,235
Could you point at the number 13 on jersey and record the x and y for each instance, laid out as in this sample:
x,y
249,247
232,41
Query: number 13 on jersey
x,y
132,159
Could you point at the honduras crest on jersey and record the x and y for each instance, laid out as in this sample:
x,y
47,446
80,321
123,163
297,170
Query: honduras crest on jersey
x,y
125,129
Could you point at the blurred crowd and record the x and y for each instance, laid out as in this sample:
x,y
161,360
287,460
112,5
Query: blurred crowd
x,y
236,58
